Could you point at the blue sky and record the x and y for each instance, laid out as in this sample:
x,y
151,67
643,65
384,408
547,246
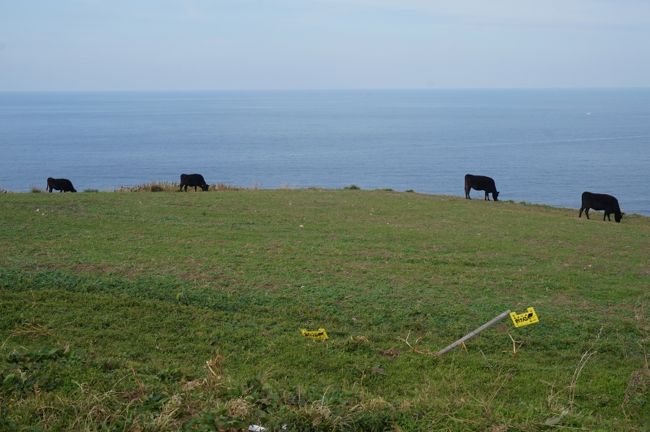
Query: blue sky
x,y
322,44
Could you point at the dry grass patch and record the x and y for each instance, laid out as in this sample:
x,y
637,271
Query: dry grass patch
x,y
150,187
31,330
225,187
174,187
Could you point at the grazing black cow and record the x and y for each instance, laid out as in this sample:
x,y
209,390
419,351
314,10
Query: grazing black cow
x,y
481,183
62,185
193,180
601,202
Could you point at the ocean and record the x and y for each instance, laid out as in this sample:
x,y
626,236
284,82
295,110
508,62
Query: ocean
x,y
540,146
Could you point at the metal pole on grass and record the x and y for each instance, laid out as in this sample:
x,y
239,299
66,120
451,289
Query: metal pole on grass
x,y
473,333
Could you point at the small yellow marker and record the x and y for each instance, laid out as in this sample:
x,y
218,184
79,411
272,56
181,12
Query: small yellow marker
x,y
524,319
319,334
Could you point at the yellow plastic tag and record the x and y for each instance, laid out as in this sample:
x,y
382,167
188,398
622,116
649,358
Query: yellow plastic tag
x,y
524,319
319,334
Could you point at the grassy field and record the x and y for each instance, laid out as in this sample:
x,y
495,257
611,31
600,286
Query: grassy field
x,y
181,311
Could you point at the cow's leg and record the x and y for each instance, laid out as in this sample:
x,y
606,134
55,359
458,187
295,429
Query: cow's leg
x,y
587,212
487,196
606,215
580,214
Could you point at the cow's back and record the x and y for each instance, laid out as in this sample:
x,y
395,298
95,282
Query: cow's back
x,y
192,179
600,202
61,184
480,182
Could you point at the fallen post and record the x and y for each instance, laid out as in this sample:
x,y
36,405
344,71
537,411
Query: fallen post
x,y
473,333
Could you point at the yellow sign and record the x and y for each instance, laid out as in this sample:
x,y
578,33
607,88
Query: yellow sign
x,y
319,334
524,319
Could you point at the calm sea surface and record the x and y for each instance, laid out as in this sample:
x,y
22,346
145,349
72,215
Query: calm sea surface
x,y
542,146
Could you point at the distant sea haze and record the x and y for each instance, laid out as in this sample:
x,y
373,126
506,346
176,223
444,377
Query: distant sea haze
x,y
540,146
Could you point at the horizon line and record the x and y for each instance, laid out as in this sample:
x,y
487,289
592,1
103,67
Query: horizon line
x,y
329,89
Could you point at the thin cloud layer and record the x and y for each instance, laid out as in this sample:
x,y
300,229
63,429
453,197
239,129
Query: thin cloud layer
x,y
302,44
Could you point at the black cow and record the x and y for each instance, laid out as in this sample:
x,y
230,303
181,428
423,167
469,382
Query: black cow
x,y
481,183
601,202
62,185
193,180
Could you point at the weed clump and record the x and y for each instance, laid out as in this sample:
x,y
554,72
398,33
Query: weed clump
x,y
182,298
239,408
214,369
352,187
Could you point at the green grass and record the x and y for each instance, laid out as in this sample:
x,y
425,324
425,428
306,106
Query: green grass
x,y
168,311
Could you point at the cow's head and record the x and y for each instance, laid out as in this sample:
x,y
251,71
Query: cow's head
x,y
495,194
205,187
618,216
